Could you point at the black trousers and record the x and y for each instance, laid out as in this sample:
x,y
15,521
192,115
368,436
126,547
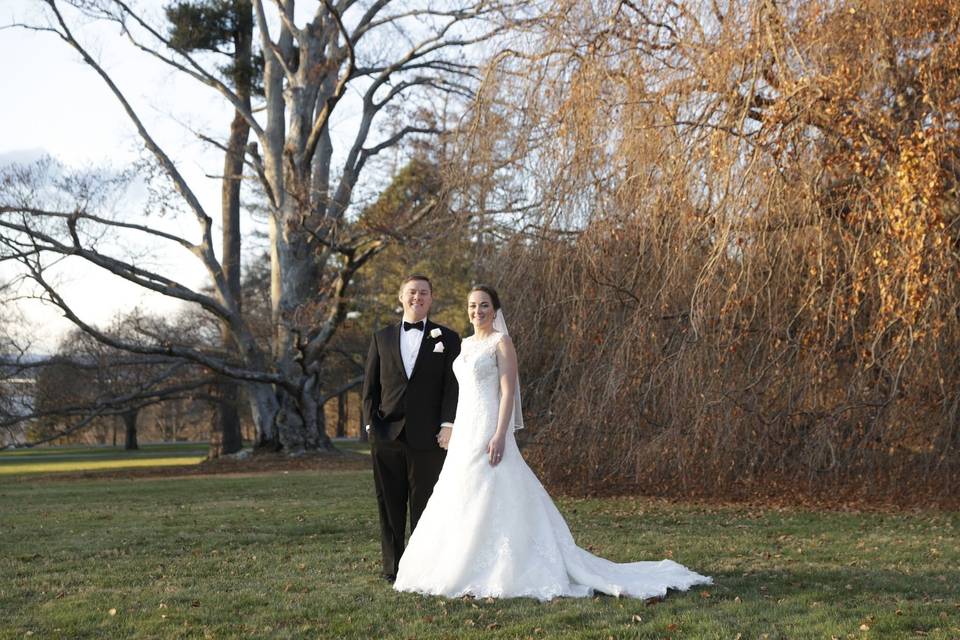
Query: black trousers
x,y
403,477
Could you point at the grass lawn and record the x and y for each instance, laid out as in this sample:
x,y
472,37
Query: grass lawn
x,y
45,460
87,458
295,555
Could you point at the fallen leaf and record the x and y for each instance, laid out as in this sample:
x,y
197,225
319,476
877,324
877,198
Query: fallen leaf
x,y
637,618
864,627
112,612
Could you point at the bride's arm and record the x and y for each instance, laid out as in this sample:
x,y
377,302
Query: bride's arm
x,y
507,365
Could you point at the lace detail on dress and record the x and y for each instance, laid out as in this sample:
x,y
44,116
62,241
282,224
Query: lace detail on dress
x,y
494,531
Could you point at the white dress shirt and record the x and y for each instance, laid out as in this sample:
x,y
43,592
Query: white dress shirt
x,y
410,346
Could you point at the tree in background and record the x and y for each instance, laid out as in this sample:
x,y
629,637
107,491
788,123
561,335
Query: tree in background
x,y
344,58
225,27
744,227
88,386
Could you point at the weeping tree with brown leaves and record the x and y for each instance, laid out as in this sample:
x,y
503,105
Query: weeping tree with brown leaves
x,y
738,267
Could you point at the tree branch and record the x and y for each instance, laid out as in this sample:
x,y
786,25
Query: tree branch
x,y
324,116
171,350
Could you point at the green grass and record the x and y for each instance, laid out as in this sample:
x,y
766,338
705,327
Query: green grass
x,y
44,460
179,448
352,445
295,555
87,458
95,465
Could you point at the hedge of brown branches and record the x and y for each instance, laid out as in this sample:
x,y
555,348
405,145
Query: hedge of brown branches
x,y
733,260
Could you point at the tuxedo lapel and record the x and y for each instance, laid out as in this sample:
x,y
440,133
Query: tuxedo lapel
x,y
394,348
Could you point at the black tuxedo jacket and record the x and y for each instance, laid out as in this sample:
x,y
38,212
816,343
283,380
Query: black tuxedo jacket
x,y
393,403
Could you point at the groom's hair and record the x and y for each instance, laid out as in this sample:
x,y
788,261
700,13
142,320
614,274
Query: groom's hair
x,y
416,276
490,291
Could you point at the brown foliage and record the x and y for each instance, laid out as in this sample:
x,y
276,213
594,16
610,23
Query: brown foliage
x,y
742,266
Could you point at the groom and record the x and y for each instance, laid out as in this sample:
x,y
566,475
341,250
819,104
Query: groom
x,y
409,403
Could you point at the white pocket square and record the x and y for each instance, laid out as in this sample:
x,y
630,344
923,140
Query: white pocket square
x,y
438,348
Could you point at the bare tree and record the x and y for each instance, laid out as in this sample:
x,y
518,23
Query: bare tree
x,y
88,385
402,68
225,28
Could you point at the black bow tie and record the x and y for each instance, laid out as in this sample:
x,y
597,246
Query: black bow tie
x,y
413,325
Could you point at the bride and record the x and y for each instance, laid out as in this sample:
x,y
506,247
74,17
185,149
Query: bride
x,y
490,529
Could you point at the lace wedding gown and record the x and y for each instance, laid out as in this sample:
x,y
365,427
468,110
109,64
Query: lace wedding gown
x,y
494,531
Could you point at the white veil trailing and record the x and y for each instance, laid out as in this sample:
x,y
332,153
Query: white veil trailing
x,y
500,324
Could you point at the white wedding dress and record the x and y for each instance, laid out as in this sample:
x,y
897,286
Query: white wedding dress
x,y
494,531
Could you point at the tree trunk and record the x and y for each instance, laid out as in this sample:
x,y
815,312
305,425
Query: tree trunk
x,y
363,428
130,422
231,438
229,414
176,421
342,415
264,407
301,425
300,421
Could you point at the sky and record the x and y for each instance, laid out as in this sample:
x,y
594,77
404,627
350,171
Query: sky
x,y
55,105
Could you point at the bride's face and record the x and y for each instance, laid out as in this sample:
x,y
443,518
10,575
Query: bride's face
x,y
480,310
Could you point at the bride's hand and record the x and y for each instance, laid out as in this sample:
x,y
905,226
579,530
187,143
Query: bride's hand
x,y
495,449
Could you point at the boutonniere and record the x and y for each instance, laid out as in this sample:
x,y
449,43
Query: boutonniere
x,y
438,348
436,333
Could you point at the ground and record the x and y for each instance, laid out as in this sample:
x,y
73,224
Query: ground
x,y
291,552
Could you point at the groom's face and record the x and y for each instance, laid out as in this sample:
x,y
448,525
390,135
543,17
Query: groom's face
x,y
416,298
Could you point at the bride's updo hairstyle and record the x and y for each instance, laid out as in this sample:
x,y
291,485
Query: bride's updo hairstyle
x,y
490,291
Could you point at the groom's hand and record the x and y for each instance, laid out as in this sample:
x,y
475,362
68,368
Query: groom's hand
x,y
443,438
